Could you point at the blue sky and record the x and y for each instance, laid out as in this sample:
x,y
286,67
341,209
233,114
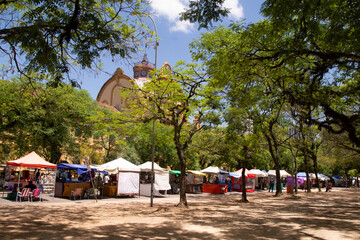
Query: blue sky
x,y
175,37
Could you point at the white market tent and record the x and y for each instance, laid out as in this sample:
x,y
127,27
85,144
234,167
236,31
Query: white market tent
x,y
147,167
213,170
238,173
283,173
161,183
259,173
118,165
128,178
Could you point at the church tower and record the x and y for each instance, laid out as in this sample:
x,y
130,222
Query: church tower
x,y
109,94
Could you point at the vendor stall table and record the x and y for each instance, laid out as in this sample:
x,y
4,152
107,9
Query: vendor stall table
x,y
194,188
68,187
109,191
215,188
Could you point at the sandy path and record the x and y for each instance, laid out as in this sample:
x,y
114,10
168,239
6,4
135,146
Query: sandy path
x,y
334,215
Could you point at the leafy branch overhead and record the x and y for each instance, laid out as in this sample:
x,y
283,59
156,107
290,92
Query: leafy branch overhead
x,y
308,50
51,36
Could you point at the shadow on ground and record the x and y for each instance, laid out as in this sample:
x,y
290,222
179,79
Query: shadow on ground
x,y
332,215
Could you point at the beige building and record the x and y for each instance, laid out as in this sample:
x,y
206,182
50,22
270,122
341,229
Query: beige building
x,y
109,94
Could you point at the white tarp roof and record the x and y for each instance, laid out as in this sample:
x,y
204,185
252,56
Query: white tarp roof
x,y
147,167
258,173
238,173
213,170
161,176
283,173
118,165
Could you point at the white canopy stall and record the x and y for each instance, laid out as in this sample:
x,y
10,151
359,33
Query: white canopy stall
x,y
260,179
128,178
161,181
283,173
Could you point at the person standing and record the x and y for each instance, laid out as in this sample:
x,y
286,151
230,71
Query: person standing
x,y
41,182
271,185
107,179
328,186
37,175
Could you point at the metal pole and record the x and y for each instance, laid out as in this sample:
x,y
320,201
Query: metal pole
x,y
153,130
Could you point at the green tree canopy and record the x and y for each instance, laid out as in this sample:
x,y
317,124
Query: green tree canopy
x,y
315,47
176,99
51,36
46,119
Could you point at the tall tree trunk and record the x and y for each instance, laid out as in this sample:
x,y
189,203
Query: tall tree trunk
x,y
296,181
293,173
180,153
243,196
274,152
308,183
314,159
347,179
278,181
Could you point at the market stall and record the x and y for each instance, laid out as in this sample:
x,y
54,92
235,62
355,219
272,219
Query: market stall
x,y
161,180
33,168
283,175
291,184
174,178
69,177
302,175
125,178
216,181
323,179
194,181
237,181
338,181
260,179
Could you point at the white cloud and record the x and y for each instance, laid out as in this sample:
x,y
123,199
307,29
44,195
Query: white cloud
x,y
236,9
181,26
170,10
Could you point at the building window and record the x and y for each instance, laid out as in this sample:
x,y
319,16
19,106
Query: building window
x,y
143,73
136,74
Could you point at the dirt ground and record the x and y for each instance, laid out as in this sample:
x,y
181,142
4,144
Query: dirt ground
x,y
325,215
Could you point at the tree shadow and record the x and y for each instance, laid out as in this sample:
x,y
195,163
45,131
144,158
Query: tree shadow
x,y
316,216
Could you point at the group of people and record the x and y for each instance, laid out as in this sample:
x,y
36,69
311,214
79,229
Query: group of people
x,y
272,185
39,180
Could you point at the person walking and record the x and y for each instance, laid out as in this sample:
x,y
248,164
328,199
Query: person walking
x,y
328,186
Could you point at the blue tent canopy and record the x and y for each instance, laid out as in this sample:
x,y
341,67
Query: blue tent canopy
x,y
337,177
301,174
231,174
79,167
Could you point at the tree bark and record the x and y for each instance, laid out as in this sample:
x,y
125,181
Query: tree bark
x,y
183,201
314,158
243,195
308,183
180,153
274,152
